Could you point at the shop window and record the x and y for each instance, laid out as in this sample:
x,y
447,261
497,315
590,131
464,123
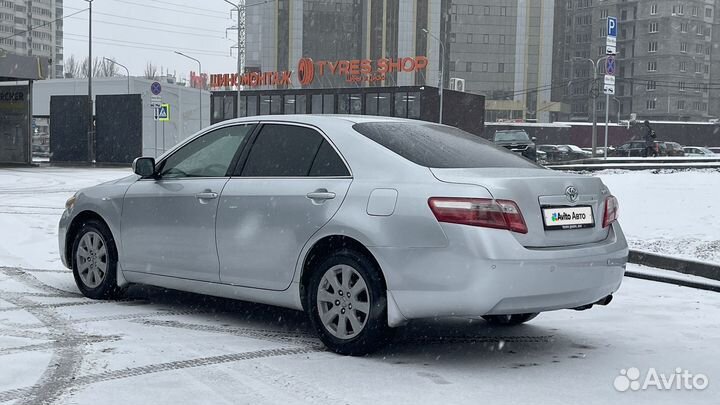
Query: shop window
x,y
317,104
328,104
300,104
264,105
289,104
276,104
252,105
343,103
401,104
356,104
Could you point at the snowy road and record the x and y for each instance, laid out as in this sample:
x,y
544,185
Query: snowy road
x,y
165,347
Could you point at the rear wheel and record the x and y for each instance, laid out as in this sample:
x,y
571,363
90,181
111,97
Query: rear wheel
x,y
509,320
347,304
95,261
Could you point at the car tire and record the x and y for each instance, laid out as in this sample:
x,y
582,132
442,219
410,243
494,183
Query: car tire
x,y
344,329
94,261
509,320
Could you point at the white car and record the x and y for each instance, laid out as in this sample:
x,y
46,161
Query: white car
x,y
698,151
362,222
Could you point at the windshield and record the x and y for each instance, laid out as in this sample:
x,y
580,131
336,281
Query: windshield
x,y
511,136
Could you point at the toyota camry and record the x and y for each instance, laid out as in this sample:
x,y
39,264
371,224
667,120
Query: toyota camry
x,y
362,222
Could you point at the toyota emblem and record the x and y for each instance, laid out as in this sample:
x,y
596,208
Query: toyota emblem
x,y
572,194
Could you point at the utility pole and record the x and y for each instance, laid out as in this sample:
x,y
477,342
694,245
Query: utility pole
x,y
91,121
240,8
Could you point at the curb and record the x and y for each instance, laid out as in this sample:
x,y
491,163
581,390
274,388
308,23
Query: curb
x,y
670,280
684,266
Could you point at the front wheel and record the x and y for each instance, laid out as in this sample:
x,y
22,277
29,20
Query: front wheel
x,y
95,261
347,303
509,320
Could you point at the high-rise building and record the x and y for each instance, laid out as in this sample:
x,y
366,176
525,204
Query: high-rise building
x,y
664,61
500,48
31,27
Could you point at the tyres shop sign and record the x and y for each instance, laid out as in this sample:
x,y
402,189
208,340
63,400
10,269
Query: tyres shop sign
x,y
308,71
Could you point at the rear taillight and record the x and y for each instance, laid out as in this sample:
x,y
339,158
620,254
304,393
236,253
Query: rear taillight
x,y
611,211
484,212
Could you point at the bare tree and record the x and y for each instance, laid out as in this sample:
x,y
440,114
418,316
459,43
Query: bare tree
x,y
96,63
151,71
107,69
72,68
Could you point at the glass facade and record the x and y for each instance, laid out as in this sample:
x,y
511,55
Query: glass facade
x,y
414,102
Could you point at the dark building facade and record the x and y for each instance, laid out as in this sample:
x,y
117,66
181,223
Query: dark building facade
x,y
415,102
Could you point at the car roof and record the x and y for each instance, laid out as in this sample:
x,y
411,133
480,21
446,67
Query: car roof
x,y
320,118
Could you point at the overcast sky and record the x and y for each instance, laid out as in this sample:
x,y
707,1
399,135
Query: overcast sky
x,y
135,32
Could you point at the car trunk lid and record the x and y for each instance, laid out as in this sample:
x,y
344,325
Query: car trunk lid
x,y
536,189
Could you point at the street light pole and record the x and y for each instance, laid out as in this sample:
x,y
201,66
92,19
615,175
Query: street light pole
x,y
595,64
199,74
91,123
442,71
124,67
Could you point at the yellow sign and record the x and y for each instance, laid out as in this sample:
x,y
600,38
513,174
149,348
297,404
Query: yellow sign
x,y
163,112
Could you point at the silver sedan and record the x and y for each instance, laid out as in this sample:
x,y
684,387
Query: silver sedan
x,y
362,222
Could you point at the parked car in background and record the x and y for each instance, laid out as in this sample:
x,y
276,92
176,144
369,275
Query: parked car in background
x,y
674,149
552,153
637,149
715,150
541,157
697,151
518,141
600,150
573,152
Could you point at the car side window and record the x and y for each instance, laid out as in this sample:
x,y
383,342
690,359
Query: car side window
x,y
210,155
291,151
328,163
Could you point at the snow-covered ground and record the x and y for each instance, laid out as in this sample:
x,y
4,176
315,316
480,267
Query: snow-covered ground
x,y
675,213
164,347
31,203
161,347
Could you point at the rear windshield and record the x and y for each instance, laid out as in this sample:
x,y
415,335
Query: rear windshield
x,y
439,146
509,136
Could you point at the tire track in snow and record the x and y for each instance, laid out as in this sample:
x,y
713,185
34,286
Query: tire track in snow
x,y
157,368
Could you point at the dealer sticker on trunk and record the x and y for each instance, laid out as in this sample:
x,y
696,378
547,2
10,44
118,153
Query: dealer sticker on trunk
x,y
568,217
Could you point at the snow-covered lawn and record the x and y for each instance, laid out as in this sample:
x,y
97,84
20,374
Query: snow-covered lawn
x,y
676,213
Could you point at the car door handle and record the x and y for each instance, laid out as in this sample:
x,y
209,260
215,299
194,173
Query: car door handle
x,y
208,195
321,194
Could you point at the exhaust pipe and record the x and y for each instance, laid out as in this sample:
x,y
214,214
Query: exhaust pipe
x,y
603,301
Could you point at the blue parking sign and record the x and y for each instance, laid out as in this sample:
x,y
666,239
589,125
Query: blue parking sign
x,y
612,27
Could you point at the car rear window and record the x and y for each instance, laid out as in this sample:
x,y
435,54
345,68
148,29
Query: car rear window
x,y
439,146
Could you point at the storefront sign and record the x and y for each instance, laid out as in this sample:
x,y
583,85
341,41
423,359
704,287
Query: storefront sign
x,y
354,71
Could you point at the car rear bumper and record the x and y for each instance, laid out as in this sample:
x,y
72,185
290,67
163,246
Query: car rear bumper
x,y
500,276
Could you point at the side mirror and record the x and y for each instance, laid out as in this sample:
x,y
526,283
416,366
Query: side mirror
x,y
144,166
534,138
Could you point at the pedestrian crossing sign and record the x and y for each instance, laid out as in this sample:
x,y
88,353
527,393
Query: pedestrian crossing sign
x,y
163,112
